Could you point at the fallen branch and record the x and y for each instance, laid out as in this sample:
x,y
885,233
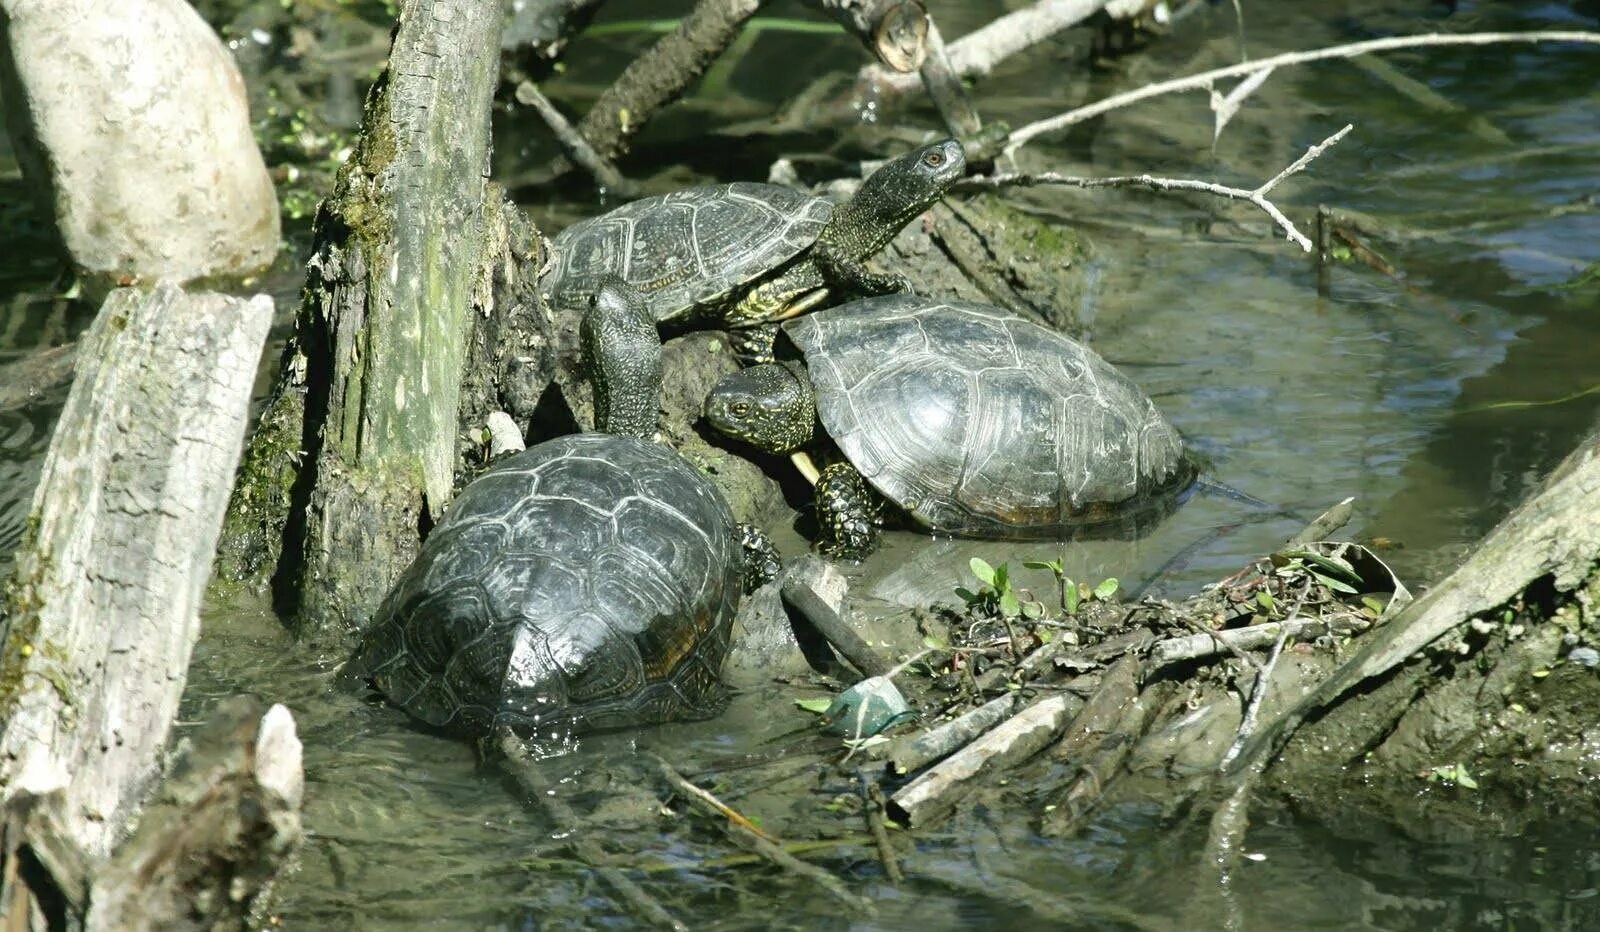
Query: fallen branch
x,y
909,753
1257,196
872,805
660,76
934,794
1263,681
1104,761
815,589
979,52
573,143
1206,79
895,31
742,832
1215,643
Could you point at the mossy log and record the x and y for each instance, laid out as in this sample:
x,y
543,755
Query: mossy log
x,y
359,448
104,609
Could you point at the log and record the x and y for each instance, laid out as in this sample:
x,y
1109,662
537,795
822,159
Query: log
x,y
104,609
383,331
1552,534
933,795
908,753
214,838
161,177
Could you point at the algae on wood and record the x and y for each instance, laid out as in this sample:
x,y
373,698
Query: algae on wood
x,y
359,452
104,609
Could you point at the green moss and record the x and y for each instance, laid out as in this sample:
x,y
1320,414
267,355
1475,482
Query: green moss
x,y
252,529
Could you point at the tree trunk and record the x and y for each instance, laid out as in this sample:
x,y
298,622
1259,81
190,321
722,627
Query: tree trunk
x,y
104,610
359,448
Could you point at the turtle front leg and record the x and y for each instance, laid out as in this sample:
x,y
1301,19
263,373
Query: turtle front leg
x,y
762,562
753,346
848,512
847,274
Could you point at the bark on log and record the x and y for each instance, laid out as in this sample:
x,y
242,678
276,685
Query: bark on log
x,y
387,316
894,31
221,826
931,796
160,177
104,609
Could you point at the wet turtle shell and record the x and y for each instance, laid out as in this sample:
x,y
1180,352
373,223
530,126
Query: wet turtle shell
x,y
978,422
689,252
587,583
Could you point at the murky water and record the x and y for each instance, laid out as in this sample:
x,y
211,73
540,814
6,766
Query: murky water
x,y
1435,396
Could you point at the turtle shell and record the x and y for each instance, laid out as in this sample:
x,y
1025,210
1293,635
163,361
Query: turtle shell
x,y
978,422
587,583
688,252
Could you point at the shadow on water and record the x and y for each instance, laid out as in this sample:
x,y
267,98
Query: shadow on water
x,y
1410,392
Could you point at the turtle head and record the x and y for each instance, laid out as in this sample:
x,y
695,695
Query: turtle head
x,y
770,406
621,353
905,187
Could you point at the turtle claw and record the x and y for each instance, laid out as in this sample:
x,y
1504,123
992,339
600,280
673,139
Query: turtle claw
x,y
762,562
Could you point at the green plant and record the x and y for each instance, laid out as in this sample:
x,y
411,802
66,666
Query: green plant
x,y
1074,594
996,596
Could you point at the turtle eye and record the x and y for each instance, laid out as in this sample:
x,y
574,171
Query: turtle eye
x,y
740,408
933,159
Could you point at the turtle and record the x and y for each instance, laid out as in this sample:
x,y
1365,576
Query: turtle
x,y
742,256
970,420
588,583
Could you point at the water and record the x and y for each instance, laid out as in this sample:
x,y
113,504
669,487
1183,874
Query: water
x,y
1430,396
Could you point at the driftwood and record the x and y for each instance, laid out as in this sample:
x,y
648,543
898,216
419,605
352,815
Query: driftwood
x,y
909,753
219,829
933,795
103,612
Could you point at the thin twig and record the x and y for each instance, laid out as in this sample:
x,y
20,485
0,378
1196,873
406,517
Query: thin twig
x,y
573,142
1256,197
1205,79
746,834
523,770
872,805
1258,690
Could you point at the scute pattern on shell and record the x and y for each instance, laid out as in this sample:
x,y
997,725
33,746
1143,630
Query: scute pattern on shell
x,y
587,583
688,251
976,421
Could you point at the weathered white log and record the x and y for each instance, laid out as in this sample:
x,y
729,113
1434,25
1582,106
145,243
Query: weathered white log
x,y
104,609
210,844
910,752
131,121
931,796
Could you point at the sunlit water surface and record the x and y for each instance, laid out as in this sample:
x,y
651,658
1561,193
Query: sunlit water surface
x,y
1427,396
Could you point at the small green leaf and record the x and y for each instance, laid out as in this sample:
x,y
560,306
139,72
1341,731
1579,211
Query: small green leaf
x,y
1033,609
1045,635
1002,578
982,570
1332,583
934,643
1107,588
815,706
1373,605
1053,566
1009,605
1464,779
1265,600
1071,596
967,595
